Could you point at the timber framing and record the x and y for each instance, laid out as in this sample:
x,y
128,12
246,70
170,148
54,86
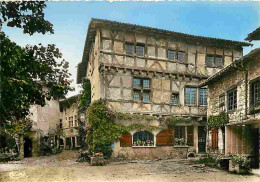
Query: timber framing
x,y
96,24
232,67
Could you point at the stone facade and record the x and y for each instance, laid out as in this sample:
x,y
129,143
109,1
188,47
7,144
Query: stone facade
x,y
170,61
242,130
69,124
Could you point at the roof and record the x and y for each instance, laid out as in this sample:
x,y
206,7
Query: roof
x,y
255,35
99,23
223,72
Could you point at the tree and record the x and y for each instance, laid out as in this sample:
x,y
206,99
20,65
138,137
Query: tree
x,y
26,72
27,15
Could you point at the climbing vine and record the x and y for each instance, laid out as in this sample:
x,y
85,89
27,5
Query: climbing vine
x,y
218,121
103,131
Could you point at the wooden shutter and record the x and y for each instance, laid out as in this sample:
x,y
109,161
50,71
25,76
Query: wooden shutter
x,y
214,134
190,135
165,137
126,140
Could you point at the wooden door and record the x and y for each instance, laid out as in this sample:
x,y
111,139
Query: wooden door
x,y
214,139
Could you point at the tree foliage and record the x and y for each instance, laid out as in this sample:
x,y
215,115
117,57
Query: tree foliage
x,y
27,15
32,74
25,73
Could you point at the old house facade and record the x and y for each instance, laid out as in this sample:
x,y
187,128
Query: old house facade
x,y
235,91
69,123
147,71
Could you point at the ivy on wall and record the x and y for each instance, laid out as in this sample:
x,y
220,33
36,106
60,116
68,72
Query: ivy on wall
x,y
218,121
103,131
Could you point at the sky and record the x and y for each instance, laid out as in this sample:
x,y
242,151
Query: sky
x,y
227,20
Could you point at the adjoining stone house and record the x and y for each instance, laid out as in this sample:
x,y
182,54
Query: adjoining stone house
x,y
235,90
69,123
54,125
147,71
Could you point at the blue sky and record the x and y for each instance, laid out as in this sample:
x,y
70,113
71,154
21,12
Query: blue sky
x,y
228,20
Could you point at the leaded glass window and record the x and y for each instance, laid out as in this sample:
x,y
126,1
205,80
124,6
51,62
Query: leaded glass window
x,y
137,82
175,99
136,96
180,56
146,83
190,95
129,48
140,50
171,54
146,97
256,93
232,99
203,97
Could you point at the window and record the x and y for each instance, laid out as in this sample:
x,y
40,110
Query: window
x,y
71,121
137,82
232,99
190,96
140,50
180,56
218,61
146,83
76,120
143,138
214,61
60,123
175,99
136,95
209,60
141,89
171,54
203,96
222,103
129,48
179,132
256,93
146,97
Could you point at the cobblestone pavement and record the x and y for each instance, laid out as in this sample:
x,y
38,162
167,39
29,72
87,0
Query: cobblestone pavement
x,y
62,167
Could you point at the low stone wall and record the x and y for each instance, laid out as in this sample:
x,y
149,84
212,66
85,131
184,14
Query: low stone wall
x,y
150,153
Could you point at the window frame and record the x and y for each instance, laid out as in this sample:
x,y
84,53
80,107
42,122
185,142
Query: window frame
x,y
146,135
177,58
142,90
204,97
234,101
133,48
174,55
178,98
214,60
253,94
143,49
195,99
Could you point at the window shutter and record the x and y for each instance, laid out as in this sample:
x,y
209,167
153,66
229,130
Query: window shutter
x,y
126,140
165,137
214,139
190,135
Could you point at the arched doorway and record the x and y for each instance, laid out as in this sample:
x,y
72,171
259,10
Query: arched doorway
x,y
27,147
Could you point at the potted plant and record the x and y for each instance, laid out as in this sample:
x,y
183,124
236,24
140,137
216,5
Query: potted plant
x,y
148,142
151,143
179,142
239,164
143,143
135,144
139,142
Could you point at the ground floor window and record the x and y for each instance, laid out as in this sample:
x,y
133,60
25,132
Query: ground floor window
x,y
143,138
179,135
